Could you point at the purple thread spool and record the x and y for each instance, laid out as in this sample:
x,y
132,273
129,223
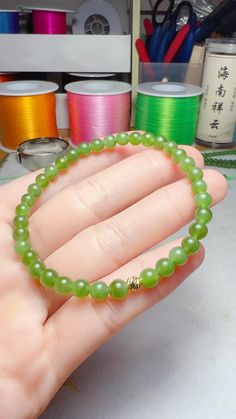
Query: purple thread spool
x,y
49,22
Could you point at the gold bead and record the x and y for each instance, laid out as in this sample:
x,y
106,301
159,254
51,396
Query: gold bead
x,y
133,283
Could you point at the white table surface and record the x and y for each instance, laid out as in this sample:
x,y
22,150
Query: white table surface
x,y
178,360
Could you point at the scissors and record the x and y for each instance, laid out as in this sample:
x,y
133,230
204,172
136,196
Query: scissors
x,y
142,51
171,30
165,32
209,24
185,51
166,14
158,28
148,26
180,49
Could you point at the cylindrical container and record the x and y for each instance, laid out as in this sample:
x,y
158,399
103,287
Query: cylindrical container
x,y
97,17
9,21
27,110
48,21
218,107
169,109
97,108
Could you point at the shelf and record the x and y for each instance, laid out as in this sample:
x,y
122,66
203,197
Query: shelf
x,y
65,53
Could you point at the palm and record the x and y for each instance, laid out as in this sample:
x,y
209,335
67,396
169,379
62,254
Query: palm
x,y
44,337
25,358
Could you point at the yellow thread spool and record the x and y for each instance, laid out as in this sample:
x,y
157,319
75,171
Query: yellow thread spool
x,y
27,110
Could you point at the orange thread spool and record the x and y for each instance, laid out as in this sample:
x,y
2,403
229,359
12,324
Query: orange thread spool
x,y
6,77
27,111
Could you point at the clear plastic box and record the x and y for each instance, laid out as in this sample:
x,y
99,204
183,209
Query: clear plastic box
x,y
174,72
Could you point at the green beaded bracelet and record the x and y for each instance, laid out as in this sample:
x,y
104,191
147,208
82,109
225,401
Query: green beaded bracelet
x,y
149,277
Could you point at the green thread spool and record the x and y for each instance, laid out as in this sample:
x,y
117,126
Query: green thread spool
x,y
169,109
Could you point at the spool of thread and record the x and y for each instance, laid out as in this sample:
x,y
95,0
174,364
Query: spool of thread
x,y
27,110
169,109
48,21
97,17
97,108
6,77
73,77
9,21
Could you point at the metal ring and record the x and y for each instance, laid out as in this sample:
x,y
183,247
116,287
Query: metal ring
x,y
40,152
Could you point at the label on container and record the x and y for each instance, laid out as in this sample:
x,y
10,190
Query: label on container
x,y
218,105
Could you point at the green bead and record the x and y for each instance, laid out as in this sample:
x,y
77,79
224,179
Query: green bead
x,y
191,245
28,200
21,221
178,255
159,142
197,230
97,145
186,163
34,190
109,141
118,289
29,256
62,163
99,290
178,154
122,138
135,138
42,180
80,288
169,147
36,268
165,267
72,154
22,209
51,171
21,233
199,185
203,200
149,278
21,246
203,215
195,174
63,285
84,149
48,278
147,139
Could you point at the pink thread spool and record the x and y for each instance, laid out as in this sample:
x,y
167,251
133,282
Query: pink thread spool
x,y
49,21
97,108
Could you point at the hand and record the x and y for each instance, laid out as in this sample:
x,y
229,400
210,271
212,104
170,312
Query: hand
x,y
96,221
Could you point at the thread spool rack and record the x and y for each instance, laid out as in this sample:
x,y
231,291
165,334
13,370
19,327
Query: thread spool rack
x,y
65,53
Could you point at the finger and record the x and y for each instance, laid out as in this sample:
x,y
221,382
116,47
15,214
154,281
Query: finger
x,y
101,249
106,318
117,240
101,196
11,192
